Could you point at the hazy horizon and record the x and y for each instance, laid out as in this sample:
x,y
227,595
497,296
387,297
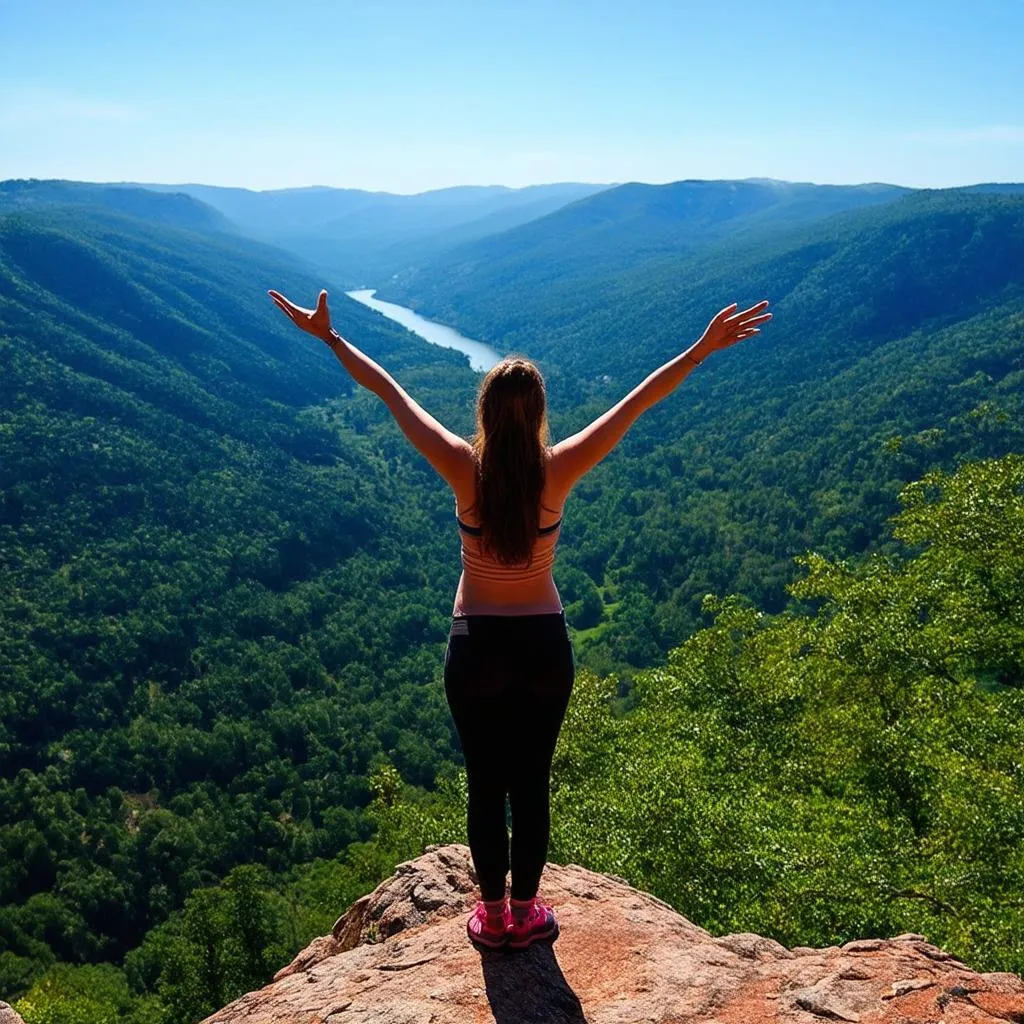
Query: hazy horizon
x,y
498,185
406,97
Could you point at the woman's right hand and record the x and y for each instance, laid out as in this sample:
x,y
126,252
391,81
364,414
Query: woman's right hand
x,y
728,327
313,321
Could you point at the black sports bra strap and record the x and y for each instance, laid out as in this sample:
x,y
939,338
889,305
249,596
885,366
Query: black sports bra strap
x,y
477,531
474,531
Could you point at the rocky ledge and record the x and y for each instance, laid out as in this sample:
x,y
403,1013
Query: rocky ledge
x,y
400,956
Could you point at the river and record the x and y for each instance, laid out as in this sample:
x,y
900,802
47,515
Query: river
x,y
481,356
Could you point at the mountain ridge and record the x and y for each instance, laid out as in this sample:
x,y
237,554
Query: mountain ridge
x,y
936,276
177,461
359,235
644,220
174,209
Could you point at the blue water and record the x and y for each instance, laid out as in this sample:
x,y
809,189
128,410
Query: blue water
x,y
481,356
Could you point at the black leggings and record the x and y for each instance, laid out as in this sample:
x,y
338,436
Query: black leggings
x,y
508,679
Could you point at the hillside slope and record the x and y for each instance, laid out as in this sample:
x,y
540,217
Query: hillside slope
x,y
213,624
175,210
621,228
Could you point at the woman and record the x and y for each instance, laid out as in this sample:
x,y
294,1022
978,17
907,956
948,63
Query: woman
x,y
509,667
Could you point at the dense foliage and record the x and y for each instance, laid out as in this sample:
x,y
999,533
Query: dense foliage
x,y
850,770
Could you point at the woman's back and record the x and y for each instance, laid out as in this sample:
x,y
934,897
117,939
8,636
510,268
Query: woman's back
x,y
489,587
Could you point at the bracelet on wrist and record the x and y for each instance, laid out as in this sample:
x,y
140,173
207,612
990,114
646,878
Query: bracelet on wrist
x,y
696,362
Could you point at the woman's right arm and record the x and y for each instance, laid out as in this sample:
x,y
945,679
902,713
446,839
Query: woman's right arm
x,y
448,453
576,455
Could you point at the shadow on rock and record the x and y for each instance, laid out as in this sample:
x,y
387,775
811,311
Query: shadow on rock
x,y
528,987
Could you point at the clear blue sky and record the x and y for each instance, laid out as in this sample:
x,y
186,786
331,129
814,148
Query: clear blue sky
x,y
406,96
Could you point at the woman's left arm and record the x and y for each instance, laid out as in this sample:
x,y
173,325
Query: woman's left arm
x,y
449,454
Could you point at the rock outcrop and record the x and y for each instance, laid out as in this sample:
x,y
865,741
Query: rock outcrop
x,y
400,956
7,1014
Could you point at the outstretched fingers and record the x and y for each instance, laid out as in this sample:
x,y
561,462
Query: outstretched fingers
x,y
751,313
287,305
288,313
755,320
755,308
745,324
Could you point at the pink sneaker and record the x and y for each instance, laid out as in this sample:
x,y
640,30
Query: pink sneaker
x,y
488,925
539,923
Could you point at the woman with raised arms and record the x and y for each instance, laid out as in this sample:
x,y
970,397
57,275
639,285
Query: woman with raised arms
x,y
509,666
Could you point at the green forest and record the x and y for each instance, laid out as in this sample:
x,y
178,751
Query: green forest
x,y
795,589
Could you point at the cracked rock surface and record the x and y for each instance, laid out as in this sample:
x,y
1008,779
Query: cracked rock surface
x,y
400,955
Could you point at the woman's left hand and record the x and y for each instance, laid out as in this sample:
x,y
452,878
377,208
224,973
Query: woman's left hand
x,y
728,327
314,321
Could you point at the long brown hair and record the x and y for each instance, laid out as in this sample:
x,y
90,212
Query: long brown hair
x,y
511,451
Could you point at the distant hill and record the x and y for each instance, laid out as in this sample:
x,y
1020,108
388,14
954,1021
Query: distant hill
x,y
176,209
1000,188
623,226
362,238
621,298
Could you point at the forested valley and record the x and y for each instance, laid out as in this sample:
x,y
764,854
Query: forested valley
x,y
795,589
